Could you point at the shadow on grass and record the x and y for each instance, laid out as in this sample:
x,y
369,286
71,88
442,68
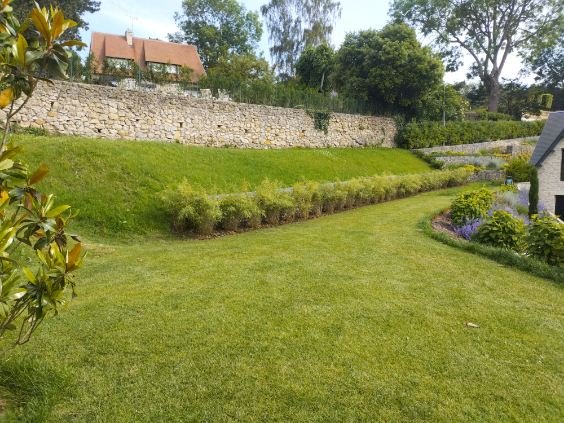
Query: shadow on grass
x,y
28,389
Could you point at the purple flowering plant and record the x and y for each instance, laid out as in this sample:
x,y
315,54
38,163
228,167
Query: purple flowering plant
x,y
468,229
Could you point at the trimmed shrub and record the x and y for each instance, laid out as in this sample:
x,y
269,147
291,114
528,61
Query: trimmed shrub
x,y
431,134
376,186
470,206
192,209
410,185
546,240
519,168
334,197
238,210
275,203
502,230
353,190
306,198
483,114
545,101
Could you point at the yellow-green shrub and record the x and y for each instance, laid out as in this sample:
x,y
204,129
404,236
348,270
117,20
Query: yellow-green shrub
x,y
275,203
193,210
238,210
471,205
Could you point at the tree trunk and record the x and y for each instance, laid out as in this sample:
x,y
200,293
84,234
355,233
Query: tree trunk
x,y
494,93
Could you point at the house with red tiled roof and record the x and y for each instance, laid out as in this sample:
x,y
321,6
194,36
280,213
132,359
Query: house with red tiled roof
x,y
126,49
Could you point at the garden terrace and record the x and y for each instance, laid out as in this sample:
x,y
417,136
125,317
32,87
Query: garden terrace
x,y
116,185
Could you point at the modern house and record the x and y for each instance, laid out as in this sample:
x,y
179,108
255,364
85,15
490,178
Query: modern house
x,y
119,50
548,158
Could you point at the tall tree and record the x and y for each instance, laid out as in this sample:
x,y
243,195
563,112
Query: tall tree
x,y
548,64
218,28
388,68
315,67
487,30
296,24
74,9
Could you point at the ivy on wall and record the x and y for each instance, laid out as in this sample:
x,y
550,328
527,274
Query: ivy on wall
x,y
321,119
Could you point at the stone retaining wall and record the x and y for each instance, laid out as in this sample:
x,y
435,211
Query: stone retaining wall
x,y
114,113
512,146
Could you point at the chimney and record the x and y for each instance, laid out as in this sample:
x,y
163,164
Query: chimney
x,y
129,37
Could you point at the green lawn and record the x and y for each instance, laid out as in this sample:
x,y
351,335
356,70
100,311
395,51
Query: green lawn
x,y
115,184
351,317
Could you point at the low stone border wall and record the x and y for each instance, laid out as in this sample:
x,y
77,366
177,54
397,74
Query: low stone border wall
x,y
512,146
476,159
488,175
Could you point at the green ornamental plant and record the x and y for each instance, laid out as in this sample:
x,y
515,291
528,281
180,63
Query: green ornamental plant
x,y
193,210
37,257
239,210
471,205
534,193
276,203
545,240
303,194
502,230
519,168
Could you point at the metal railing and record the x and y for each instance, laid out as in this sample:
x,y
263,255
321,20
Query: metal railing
x,y
257,92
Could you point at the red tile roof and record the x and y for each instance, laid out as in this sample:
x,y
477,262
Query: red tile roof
x,y
143,51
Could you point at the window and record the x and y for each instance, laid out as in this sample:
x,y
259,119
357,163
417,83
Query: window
x,y
119,63
562,166
559,206
162,67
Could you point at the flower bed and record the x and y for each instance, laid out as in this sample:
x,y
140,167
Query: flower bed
x,y
498,225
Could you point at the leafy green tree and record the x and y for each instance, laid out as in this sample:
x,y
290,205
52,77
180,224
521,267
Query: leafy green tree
x,y
37,256
242,76
218,28
237,70
445,99
487,30
315,67
475,93
548,64
74,10
518,99
388,68
297,24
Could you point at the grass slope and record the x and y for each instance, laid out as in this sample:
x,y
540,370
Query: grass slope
x,y
352,317
116,184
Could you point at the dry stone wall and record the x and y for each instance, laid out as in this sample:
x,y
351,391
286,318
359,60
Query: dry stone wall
x,y
114,113
513,146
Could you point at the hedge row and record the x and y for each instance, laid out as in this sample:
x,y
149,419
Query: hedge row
x,y
196,212
483,114
432,134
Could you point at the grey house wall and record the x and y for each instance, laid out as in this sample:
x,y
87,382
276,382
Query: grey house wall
x,y
550,184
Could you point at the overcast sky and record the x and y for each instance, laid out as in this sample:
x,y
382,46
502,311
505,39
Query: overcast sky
x,y
150,18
